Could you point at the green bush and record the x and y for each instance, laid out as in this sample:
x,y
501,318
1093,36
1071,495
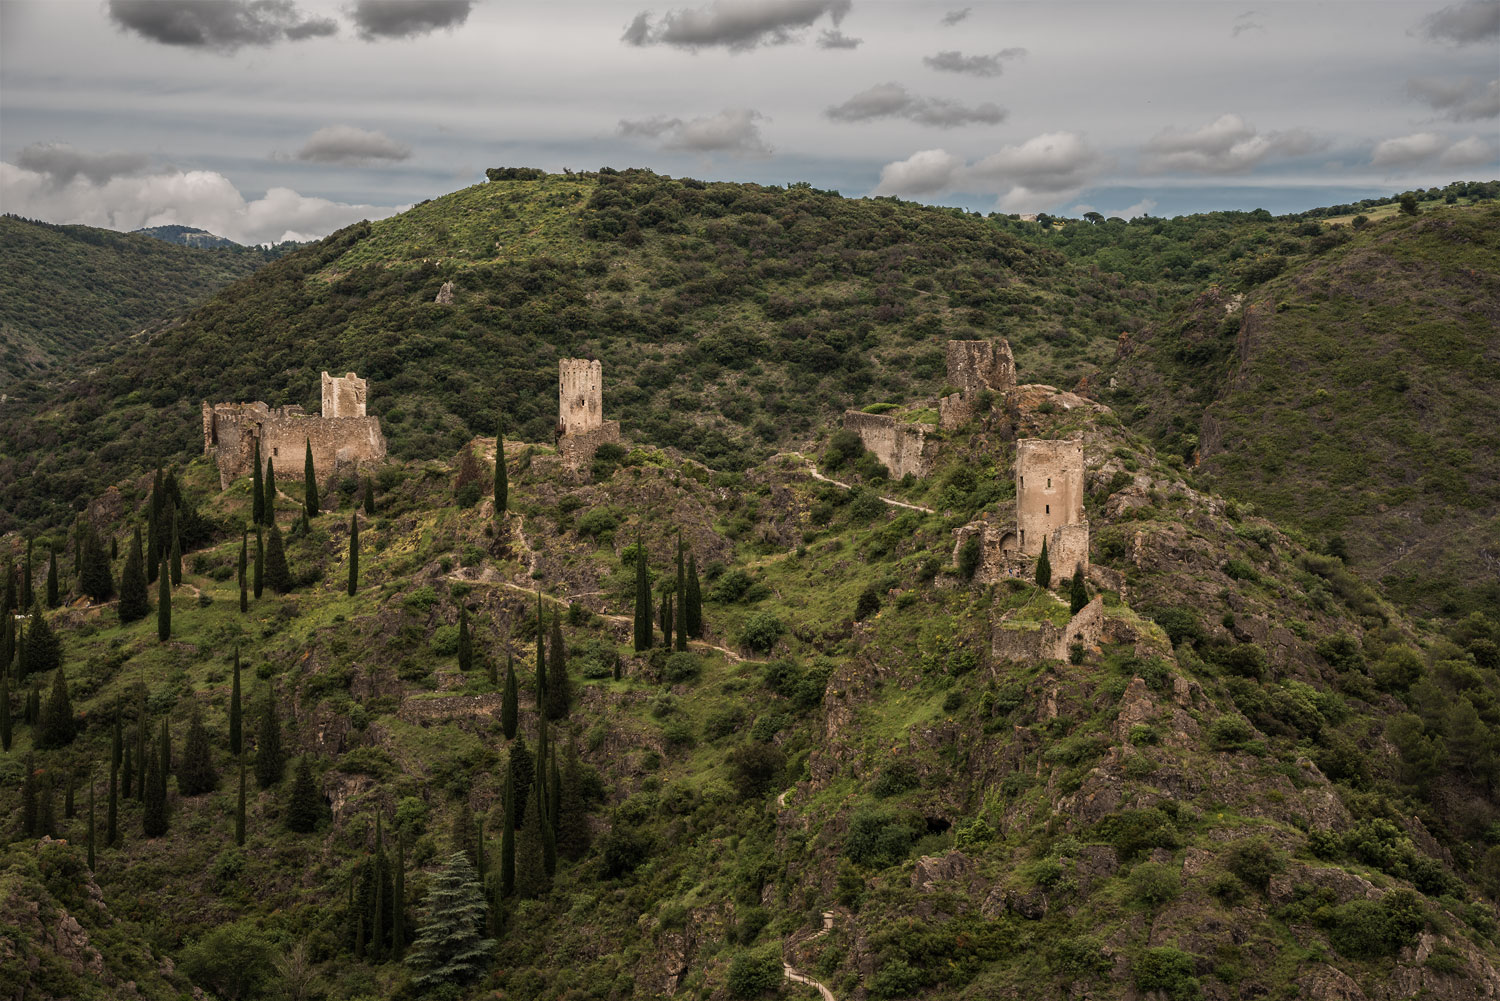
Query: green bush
x,y
897,979
876,840
1369,929
761,631
444,641
1153,883
752,974
1168,970
1254,861
898,776
1230,732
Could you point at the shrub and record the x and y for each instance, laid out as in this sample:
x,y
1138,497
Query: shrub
x,y
444,641
682,666
895,778
1180,625
1153,883
761,631
1167,970
868,604
897,979
1369,929
876,840
756,766
1254,861
1135,832
1245,659
752,974
1241,570
969,557
1230,732
1079,957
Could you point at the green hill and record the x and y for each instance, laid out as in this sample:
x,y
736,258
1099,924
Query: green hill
x,y
66,291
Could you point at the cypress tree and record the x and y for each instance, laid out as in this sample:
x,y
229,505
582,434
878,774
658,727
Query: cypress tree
x,y
164,604
29,796
508,840
354,554
57,729
572,809
68,795
369,497
462,835
260,562
502,483
140,750
5,723
465,642
558,694
541,658
135,601
398,900
532,879
26,577
176,549
196,774
239,809
54,597
554,795
643,630
154,816
666,621
34,704
509,709
153,530
257,497
42,650
95,578
377,939
269,762
268,506
129,773
116,739
236,719
679,599
9,598
277,573
518,773
244,570
305,807
1080,594
1043,568
543,803
450,947
165,751
8,646
310,485
112,814
46,816
91,822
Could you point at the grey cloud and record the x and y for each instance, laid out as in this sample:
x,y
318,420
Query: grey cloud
x,y
957,62
344,144
1471,21
892,100
1463,101
1425,147
407,18
1226,145
225,25
734,130
61,163
1039,171
737,25
1246,22
834,39
954,16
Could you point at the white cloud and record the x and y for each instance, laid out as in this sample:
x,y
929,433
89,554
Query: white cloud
x,y
1404,151
199,198
1470,152
345,144
1461,101
737,25
1041,171
734,130
892,100
926,172
1227,145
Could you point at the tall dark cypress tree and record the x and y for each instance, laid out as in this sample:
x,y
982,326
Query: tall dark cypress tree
x,y
666,621
532,879
34,704
42,650
9,648
543,802
54,595
236,718
141,756
196,773
268,507
30,792
112,812
278,575
269,763
541,658
91,821
310,484
1043,568
260,563
135,601
164,749
127,774
305,806
369,497
164,604
257,495
465,641
509,707
154,816
244,570
558,694
679,599
353,555
694,600
95,578
154,529
58,726
398,900
5,724
176,547
508,840
502,482
377,939
518,771
572,809
116,742
643,625
26,577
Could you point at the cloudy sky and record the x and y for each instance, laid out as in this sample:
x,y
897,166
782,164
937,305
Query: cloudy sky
x,y
271,119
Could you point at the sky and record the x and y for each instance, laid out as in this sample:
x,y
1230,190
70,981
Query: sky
x,y
264,120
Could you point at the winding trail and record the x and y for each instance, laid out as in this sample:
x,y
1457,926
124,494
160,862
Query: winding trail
x,y
795,975
813,471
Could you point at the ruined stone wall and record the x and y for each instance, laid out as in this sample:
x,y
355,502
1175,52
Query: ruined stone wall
x,y
901,446
339,444
974,366
1049,491
997,549
580,395
577,450
1019,641
1067,548
344,397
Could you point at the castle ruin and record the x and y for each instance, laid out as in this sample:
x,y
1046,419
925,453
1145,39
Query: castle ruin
x,y
343,438
1049,508
581,427
974,367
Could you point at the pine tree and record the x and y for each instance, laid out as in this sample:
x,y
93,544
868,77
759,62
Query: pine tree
x,y
236,717
268,506
269,763
239,809
92,867
164,604
532,879
502,483
311,483
353,554
643,628
465,641
42,650
508,840
112,814
260,563
196,774
277,573
509,707
5,720
305,807
54,597
450,947
559,695
398,900
1080,595
176,549
518,772
369,497
1043,568
244,570
57,724
154,817
95,578
135,601
257,497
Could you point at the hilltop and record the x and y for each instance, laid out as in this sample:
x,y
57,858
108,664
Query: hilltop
x,y
187,236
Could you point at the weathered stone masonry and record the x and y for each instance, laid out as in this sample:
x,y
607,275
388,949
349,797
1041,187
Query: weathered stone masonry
x,y
901,445
343,438
581,427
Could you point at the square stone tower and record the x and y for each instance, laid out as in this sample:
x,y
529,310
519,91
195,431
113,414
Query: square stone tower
x,y
973,367
580,399
343,397
1049,502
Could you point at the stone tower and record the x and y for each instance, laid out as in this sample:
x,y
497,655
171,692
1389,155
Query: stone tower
x,y
343,397
1049,502
580,406
974,367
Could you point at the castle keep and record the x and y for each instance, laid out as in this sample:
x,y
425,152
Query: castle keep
x,y
581,427
342,438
